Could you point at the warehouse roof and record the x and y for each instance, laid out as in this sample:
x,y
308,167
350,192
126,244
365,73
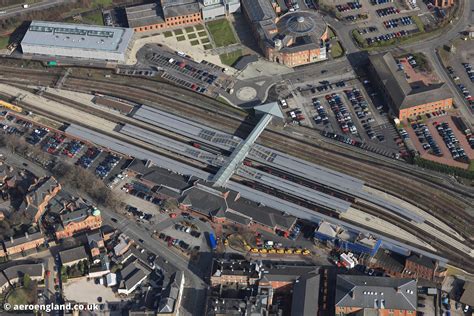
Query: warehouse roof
x,y
376,292
146,14
401,92
78,36
181,9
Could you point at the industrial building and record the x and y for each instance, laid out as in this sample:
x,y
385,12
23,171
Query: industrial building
x,y
56,39
160,16
292,39
407,97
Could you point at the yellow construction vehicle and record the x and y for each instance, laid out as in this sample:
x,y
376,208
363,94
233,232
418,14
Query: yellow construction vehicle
x,y
263,250
289,251
298,251
306,252
11,106
280,251
254,250
272,251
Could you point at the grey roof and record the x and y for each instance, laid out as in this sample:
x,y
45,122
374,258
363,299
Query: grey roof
x,y
204,200
286,273
19,270
305,298
3,280
143,15
374,292
403,94
467,296
134,273
138,152
75,216
87,37
258,10
23,239
73,254
180,9
269,108
237,218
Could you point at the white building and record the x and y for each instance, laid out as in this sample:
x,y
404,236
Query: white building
x,y
212,9
89,42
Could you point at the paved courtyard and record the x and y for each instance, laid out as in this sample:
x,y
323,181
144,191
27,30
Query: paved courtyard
x,y
83,290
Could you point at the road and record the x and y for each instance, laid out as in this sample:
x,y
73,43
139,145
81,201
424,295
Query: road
x,y
193,303
18,9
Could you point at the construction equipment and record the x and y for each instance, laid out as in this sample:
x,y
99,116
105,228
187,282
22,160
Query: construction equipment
x,y
11,106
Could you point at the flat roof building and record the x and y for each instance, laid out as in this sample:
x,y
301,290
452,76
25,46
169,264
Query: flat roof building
x,y
57,39
407,97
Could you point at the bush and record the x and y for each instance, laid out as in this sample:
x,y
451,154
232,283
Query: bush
x,y
432,165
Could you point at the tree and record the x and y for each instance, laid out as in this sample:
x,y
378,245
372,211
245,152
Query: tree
x,y
170,204
26,281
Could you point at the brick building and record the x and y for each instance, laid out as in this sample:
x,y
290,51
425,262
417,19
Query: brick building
x,y
234,271
38,196
443,3
17,245
407,98
292,39
419,267
164,15
79,220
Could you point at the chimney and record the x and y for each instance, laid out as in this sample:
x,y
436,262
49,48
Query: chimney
x,y
26,235
11,239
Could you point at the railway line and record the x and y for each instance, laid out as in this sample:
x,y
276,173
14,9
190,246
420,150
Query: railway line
x,y
330,160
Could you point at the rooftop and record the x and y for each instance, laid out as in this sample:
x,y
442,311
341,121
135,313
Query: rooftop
x,y
305,298
68,35
73,254
146,14
404,94
376,292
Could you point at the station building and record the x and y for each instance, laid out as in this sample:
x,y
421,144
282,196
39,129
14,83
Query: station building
x,y
292,39
164,15
407,97
57,39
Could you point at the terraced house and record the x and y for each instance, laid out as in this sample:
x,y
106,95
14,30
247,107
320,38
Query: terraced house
x,y
82,219
38,196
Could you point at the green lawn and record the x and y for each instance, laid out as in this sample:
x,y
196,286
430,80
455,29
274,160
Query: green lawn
x,y
471,166
221,32
180,38
419,23
168,34
94,17
178,32
205,40
202,33
4,42
192,35
189,29
336,50
101,3
207,46
199,27
194,42
20,296
230,58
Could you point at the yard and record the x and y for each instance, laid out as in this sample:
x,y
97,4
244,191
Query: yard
x,y
4,42
230,58
336,50
21,296
221,32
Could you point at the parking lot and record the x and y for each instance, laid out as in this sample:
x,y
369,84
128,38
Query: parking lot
x,y
349,111
439,139
205,78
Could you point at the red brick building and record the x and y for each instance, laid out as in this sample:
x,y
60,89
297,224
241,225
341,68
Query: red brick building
x,y
419,267
77,221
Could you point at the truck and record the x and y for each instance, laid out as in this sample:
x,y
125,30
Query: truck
x,y
212,241
348,260
462,126
25,6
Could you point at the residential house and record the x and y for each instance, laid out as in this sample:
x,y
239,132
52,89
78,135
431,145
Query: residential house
x,y
38,196
17,245
171,296
123,244
73,256
234,271
95,241
15,273
101,266
380,296
133,275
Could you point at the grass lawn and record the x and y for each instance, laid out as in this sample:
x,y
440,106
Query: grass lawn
x,y
202,33
471,166
168,34
189,29
222,33
230,58
199,27
207,46
336,50
21,296
178,32
192,35
4,42
101,3
205,40
94,17
180,38
419,23
194,43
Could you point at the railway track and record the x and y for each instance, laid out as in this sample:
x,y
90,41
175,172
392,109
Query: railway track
x,y
371,171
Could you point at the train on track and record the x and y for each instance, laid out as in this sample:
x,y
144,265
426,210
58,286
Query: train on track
x,y
11,106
